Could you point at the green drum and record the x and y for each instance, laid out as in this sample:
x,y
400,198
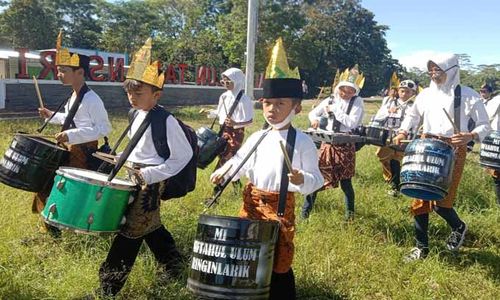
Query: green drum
x,y
84,201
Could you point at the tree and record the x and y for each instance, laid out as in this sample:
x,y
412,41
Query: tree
x,y
25,23
79,20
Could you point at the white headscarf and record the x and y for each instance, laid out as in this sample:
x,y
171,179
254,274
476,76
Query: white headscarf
x,y
237,77
336,93
449,64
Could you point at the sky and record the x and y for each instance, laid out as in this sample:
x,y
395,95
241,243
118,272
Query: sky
x,y
418,29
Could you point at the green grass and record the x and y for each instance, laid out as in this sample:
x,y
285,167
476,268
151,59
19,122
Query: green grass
x,y
333,260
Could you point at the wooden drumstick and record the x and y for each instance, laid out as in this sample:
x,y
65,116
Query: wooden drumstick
x,y
108,160
287,159
37,88
105,155
455,129
225,171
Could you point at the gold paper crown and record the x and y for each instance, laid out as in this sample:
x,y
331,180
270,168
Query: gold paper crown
x,y
336,79
63,57
353,76
143,70
394,82
278,64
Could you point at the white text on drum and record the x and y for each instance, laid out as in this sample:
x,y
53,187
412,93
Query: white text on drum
x,y
421,168
16,156
488,154
216,250
418,158
490,148
211,267
10,165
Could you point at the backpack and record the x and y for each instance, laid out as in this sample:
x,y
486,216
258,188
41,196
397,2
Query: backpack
x,y
185,181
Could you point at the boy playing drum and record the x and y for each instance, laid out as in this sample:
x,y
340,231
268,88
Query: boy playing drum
x,y
269,176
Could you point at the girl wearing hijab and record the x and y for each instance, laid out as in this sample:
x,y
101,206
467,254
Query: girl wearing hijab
x,y
234,124
429,105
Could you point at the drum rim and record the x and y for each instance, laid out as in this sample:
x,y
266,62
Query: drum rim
x,y
221,217
93,181
37,138
432,139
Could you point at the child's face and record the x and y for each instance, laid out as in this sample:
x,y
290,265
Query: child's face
x,y
143,97
227,83
67,75
437,75
277,109
405,93
346,92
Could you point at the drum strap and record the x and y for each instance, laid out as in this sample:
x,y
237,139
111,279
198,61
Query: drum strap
x,y
456,106
230,113
222,187
131,145
68,122
337,124
290,145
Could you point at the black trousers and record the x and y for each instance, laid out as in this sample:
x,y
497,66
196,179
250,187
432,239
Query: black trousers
x,y
283,286
114,271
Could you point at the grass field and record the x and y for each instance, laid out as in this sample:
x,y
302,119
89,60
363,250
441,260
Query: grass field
x,y
334,260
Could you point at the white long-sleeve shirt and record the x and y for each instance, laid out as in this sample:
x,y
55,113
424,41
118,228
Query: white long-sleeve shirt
x,y
265,166
493,110
145,151
392,120
429,104
339,108
91,119
243,111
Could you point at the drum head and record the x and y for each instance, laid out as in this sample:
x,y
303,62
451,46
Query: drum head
x,y
94,178
41,140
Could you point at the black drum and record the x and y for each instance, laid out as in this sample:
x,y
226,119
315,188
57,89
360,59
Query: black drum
x,y
489,156
426,169
232,258
377,135
210,145
30,163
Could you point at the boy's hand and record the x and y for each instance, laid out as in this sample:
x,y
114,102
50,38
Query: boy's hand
x,y
216,178
229,122
62,137
315,124
45,113
296,177
397,140
461,138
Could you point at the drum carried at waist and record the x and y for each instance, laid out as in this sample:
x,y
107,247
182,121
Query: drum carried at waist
x,y
233,258
330,137
489,156
426,169
210,145
84,201
377,135
30,162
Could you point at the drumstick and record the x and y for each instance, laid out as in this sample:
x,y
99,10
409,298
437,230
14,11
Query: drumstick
x,y
451,121
37,88
105,155
114,162
225,171
287,159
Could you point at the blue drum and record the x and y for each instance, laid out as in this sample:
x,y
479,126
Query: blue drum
x,y
489,156
426,169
